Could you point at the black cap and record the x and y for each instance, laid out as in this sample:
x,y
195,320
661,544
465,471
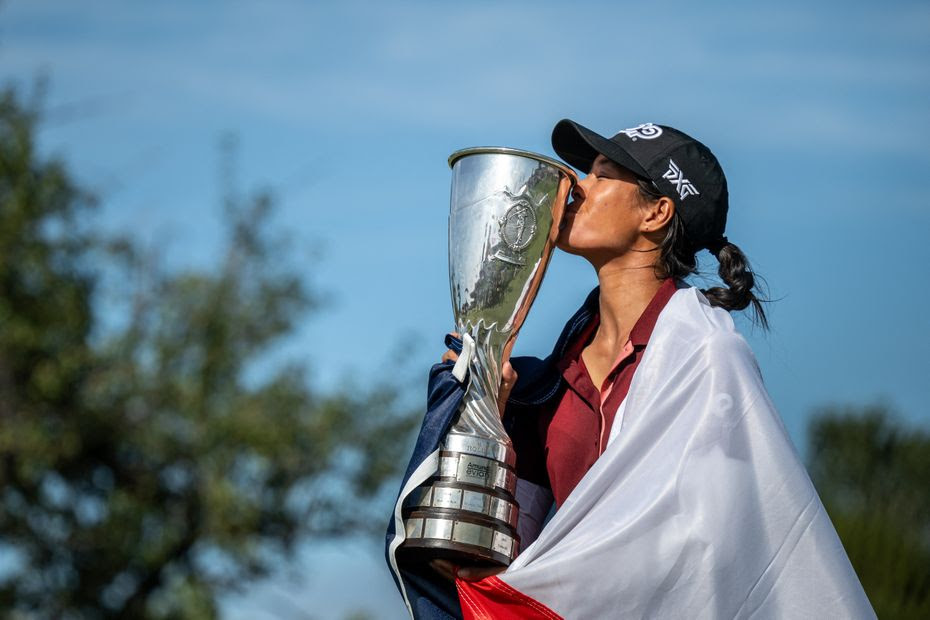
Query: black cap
x,y
680,167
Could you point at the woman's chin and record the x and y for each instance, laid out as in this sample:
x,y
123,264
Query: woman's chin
x,y
565,244
571,237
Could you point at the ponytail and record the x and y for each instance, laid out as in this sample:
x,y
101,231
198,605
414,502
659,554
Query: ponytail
x,y
738,276
677,259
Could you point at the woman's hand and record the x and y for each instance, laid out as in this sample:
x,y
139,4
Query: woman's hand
x,y
508,377
468,573
508,380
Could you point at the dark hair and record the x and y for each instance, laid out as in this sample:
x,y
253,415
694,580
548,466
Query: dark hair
x,y
678,259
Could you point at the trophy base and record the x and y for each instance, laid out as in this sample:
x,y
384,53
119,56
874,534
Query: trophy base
x,y
466,512
459,538
422,551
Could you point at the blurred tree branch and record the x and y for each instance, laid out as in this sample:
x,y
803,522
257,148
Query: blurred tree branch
x,y
143,467
873,475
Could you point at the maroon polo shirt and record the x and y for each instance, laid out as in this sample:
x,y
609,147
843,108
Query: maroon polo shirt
x,y
558,447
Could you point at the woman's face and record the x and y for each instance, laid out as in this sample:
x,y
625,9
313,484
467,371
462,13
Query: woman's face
x,y
603,219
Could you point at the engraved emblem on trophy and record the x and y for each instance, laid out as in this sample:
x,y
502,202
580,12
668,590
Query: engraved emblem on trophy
x,y
504,219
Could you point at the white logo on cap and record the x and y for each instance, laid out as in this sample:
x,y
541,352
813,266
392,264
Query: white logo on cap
x,y
677,177
646,131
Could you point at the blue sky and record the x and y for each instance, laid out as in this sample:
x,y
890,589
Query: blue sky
x,y
819,113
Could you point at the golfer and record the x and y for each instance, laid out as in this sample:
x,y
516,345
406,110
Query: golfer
x,y
656,479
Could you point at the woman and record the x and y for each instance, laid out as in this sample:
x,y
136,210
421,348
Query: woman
x,y
676,489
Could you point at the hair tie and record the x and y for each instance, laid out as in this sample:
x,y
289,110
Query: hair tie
x,y
714,247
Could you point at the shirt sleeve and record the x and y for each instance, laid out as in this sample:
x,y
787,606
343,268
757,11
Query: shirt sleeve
x,y
535,503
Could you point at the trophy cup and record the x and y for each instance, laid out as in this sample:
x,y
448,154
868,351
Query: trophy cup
x,y
506,209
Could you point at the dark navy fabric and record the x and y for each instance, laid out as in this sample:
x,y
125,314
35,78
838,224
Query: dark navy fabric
x,y
431,596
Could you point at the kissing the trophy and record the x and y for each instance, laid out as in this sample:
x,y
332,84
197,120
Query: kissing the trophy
x,y
506,209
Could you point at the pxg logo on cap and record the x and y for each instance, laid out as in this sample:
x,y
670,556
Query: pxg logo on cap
x,y
683,186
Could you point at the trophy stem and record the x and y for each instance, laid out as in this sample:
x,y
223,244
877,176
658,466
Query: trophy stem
x,y
480,414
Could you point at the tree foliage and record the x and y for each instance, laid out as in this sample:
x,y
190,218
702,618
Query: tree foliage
x,y
873,475
150,453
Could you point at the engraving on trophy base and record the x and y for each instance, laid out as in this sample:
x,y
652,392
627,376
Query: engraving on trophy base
x,y
477,470
457,536
480,446
483,502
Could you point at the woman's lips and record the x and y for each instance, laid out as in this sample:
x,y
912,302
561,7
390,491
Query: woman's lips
x,y
574,205
571,210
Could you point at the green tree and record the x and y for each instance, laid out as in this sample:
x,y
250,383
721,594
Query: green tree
x,y
873,475
151,455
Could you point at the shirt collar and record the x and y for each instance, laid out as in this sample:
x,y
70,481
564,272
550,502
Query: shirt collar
x,y
642,330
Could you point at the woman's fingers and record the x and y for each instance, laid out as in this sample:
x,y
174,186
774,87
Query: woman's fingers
x,y
469,573
450,355
508,376
508,379
445,568
474,573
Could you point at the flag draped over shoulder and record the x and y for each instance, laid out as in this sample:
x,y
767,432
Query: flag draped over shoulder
x,y
426,595
698,508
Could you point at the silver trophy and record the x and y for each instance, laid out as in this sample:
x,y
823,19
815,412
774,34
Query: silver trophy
x,y
507,206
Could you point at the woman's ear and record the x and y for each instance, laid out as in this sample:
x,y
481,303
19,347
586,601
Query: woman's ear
x,y
658,214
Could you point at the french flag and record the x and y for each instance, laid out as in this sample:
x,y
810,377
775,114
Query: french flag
x,y
698,508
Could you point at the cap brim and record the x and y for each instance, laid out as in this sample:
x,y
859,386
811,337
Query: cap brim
x,y
579,146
